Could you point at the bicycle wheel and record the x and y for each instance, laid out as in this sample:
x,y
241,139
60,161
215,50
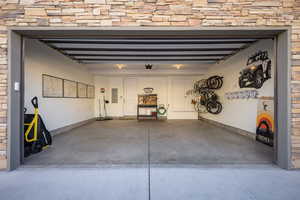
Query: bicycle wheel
x,y
215,82
214,107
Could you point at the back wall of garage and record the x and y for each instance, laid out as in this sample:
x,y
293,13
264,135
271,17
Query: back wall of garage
x,y
171,91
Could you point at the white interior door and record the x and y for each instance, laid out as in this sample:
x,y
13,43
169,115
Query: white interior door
x,y
181,101
130,96
178,95
115,97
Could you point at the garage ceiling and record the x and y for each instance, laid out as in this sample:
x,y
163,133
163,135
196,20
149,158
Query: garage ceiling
x,y
148,50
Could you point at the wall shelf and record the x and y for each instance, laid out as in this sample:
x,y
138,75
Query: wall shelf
x,y
147,101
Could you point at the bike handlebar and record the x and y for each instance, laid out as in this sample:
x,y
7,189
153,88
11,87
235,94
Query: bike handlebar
x,y
34,102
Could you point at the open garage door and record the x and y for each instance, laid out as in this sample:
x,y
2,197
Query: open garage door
x,y
212,97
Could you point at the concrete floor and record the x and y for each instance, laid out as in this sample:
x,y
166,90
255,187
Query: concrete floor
x,y
172,142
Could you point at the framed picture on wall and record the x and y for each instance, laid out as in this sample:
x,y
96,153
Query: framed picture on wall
x,y
91,91
70,89
52,86
82,90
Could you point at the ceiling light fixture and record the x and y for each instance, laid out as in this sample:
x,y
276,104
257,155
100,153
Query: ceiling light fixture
x,y
178,66
120,66
148,66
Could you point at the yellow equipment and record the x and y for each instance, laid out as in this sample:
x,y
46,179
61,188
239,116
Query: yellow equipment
x,y
36,136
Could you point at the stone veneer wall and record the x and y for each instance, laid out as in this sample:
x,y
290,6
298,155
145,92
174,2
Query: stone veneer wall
x,y
93,13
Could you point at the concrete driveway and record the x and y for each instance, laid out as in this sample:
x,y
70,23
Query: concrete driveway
x,y
129,160
232,182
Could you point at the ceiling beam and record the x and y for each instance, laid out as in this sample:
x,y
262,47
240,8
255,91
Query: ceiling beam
x,y
148,46
149,60
143,62
152,55
149,53
154,49
148,39
179,41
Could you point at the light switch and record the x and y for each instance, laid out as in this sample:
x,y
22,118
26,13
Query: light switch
x,y
17,86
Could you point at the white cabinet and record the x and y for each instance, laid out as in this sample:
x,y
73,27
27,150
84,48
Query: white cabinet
x,y
181,101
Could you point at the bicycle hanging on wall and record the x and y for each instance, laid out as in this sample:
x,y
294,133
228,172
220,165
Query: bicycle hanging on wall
x,y
204,97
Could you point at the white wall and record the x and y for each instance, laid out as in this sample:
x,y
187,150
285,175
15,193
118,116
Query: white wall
x,y
162,87
240,113
177,88
56,112
138,69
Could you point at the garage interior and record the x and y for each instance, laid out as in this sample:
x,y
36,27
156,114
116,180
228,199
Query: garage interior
x,y
110,71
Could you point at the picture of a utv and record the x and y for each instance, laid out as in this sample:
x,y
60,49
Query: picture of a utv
x,y
257,72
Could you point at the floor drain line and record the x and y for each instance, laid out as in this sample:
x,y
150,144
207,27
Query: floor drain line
x,y
149,169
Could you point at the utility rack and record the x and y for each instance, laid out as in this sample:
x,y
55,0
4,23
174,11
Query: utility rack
x,y
147,107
